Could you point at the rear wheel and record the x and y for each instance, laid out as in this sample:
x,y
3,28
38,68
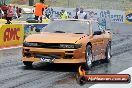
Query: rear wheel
x,y
27,63
108,53
89,57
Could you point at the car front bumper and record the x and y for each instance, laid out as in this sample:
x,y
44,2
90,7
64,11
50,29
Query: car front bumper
x,y
65,55
32,59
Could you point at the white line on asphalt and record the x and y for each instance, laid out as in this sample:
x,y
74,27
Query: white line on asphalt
x,y
11,47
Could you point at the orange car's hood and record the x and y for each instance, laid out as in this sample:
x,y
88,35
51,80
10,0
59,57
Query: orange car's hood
x,y
55,37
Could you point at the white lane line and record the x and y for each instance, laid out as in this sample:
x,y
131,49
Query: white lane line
x,y
127,71
11,47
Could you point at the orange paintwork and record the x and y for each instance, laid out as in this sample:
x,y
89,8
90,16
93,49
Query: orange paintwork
x,y
54,38
77,55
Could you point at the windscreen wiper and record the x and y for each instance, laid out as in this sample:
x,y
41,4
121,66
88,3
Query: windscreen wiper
x,y
78,33
59,32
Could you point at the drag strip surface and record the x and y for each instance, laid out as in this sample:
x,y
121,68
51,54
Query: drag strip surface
x,y
13,74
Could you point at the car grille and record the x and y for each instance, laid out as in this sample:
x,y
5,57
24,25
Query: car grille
x,y
47,45
47,56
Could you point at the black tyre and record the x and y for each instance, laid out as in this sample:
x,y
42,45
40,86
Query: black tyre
x,y
108,53
27,63
89,57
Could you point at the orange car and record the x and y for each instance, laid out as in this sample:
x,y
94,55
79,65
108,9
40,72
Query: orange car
x,y
68,41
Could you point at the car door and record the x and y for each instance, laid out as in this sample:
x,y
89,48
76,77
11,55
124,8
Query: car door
x,y
97,41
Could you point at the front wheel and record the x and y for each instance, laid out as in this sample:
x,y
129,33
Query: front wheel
x,y
89,57
27,63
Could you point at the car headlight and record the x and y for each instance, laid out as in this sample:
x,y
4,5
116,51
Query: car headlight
x,y
70,46
29,44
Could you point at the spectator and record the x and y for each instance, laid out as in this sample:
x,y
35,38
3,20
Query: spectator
x,y
39,7
18,12
15,12
1,13
33,15
76,16
9,15
64,14
81,14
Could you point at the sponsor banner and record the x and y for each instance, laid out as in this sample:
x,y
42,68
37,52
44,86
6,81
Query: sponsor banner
x,y
11,35
33,28
83,77
112,15
128,17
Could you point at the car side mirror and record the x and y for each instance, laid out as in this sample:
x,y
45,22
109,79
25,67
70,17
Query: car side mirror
x,y
97,33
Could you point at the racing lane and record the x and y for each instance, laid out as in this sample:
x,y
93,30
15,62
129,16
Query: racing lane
x,y
13,74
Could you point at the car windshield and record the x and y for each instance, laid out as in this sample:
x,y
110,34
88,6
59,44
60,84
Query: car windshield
x,y
61,26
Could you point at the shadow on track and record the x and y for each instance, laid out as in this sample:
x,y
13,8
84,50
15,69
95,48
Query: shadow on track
x,y
53,67
98,65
